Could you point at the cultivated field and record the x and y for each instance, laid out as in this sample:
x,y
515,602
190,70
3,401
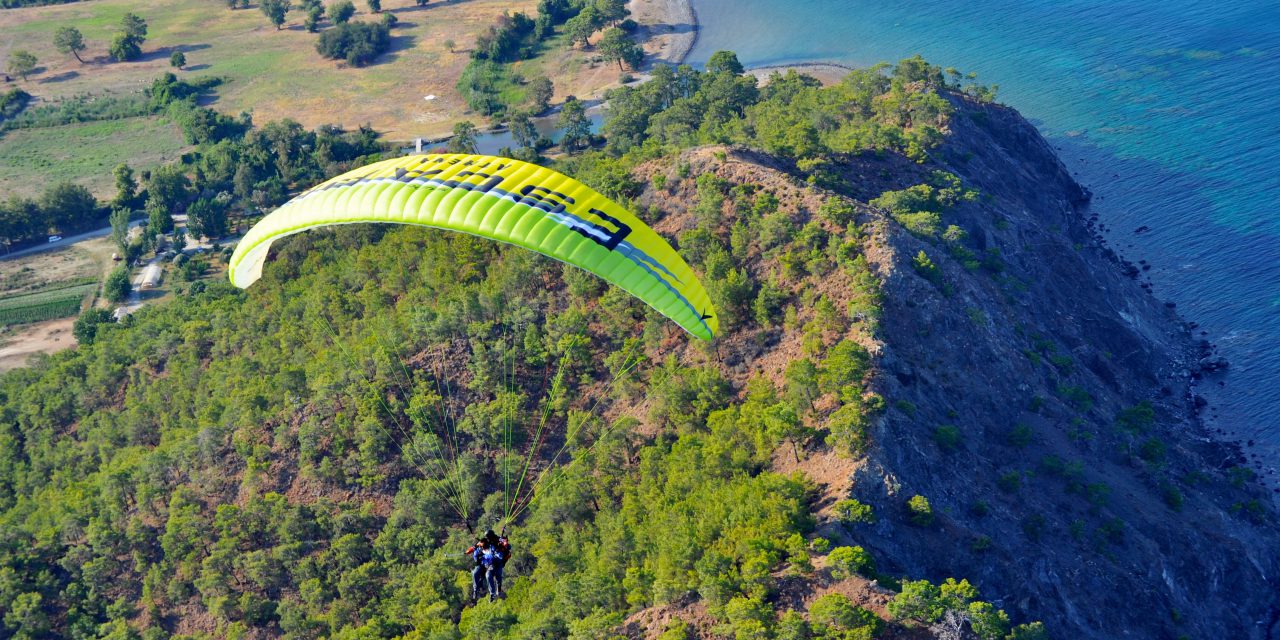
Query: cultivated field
x,y
54,284
277,74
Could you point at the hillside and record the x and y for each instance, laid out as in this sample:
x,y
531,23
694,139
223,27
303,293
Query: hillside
x,y
936,397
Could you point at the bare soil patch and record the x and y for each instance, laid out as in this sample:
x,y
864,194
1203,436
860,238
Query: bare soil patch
x,y
42,337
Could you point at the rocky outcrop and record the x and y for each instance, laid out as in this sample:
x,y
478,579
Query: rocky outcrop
x,y
1083,491
1055,502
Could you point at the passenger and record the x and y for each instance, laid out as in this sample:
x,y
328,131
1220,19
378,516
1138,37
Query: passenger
x,y
479,573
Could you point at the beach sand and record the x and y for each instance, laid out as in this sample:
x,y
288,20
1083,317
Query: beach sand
x,y
668,29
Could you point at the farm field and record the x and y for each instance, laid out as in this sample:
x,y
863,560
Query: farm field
x,y
277,74
59,300
79,268
84,153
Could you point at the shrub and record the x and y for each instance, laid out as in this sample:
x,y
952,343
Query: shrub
x,y
124,48
1136,419
678,629
920,511
1033,526
834,616
947,437
342,11
1077,397
926,268
1239,476
117,287
1020,435
846,363
1033,631
847,561
989,623
852,511
837,211
358,43
1153,450
1172,495
1010,482
919,600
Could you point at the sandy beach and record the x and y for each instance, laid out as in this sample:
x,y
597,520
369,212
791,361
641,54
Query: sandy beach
x,y
669,31
668,28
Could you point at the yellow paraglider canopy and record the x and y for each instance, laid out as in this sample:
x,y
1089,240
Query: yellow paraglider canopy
x,y
502,199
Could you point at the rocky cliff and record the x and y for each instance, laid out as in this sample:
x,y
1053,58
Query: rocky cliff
x,y
1106,523
1037,396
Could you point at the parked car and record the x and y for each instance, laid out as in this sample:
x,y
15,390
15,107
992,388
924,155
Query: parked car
x,y
54,238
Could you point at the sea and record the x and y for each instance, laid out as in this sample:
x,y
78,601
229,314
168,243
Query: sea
x,y
1168,111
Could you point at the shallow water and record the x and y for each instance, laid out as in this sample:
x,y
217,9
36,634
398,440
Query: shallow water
x,y
1169,111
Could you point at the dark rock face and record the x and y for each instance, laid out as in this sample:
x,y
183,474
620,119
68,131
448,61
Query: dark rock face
x,y
1060,507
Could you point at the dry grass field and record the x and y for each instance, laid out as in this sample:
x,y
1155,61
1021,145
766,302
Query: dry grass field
x,y
277,74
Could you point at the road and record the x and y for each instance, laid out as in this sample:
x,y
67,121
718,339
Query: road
x,y
65,242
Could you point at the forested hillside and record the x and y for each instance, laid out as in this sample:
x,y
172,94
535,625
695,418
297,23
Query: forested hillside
x,y
303,459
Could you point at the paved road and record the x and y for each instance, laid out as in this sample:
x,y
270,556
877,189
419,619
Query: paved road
x,y
65,242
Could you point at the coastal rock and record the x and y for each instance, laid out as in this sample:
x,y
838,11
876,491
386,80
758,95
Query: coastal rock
x,y
1101,538
1213,363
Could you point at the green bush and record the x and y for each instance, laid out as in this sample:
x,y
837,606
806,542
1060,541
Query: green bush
x,y
1137,419
1010,482
1020,436
834,616
852,511
920,512
924,266
947,437
358,43
117,287
848,561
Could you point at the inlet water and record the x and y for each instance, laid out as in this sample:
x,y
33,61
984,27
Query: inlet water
x,y
1169,111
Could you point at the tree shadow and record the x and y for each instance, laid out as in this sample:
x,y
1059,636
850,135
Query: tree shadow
x,y
61,77
160,53
196,67
398,43
149,293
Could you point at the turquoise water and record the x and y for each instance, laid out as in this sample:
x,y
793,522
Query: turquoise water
x,y
1169,111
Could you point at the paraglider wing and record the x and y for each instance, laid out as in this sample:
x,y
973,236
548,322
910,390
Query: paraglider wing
x,y
502,199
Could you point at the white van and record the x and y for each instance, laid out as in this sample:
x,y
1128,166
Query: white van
x,y
54,238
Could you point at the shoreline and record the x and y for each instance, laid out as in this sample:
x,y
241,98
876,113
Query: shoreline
x,y
669,33
669,29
